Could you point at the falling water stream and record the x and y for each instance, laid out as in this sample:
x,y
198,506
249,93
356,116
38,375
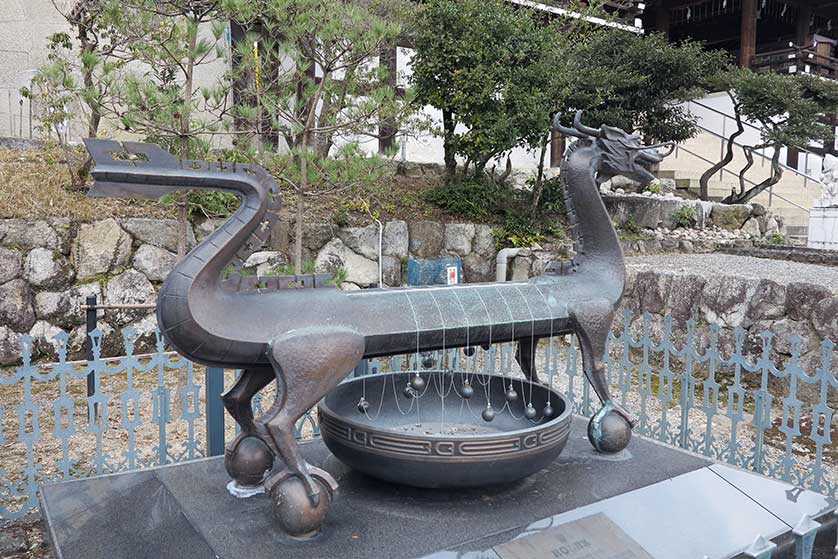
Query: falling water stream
x,y
453,375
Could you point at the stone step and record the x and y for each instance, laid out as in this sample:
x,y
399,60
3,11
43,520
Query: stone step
x,y
791,194
780,197
719,190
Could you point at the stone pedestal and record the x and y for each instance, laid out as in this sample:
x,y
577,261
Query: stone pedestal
x,y
670,503
823,228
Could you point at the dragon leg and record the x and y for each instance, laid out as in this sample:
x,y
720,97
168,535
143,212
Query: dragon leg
x,y
525,356
610,428
308,363
249,456
237,400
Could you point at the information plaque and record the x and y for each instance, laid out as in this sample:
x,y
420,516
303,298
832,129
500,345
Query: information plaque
x,y
592,537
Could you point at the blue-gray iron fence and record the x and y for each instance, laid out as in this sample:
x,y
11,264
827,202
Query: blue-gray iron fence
x,y
753,408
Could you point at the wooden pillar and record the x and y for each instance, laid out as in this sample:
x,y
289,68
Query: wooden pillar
x,y
748,33
803,33
237,34
662,18
792,157
557,144
387,130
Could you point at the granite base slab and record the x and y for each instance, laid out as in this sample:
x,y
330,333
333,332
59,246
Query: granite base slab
x,y
185,510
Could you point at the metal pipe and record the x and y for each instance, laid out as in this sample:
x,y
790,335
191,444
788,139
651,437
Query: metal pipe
x,y
214,387
94,306
806,169
90,326
502,261
380,253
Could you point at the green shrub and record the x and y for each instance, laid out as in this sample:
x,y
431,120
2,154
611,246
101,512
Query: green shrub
x,y
338,277
631,227
685,217
519,231
552,197
340,217
654,188
482,199
212,204
775,239
206,204
243,272
632,231
473,198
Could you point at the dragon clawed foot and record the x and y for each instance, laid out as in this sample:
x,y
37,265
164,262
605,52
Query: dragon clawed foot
x,y
609,430
301,499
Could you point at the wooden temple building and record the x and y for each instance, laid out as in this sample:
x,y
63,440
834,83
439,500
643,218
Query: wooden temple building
x,y
782,35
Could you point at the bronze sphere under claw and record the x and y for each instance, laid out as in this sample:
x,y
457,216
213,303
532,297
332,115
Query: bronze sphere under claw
x,y
294,511
248,460
608,431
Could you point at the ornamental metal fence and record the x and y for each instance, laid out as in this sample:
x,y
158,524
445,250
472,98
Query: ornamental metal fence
x,y
730,396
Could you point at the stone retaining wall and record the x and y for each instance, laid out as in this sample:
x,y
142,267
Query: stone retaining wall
x,y
674,244
802,311
795,254
658,211
49,267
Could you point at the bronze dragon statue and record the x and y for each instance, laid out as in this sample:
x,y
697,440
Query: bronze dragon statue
x,y
309,340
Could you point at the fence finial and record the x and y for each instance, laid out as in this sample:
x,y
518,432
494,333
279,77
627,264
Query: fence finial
x,y
761,548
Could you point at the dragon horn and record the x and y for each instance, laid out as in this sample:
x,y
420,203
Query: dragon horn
x,y
671,148
656,146
660,145
557,124
587,130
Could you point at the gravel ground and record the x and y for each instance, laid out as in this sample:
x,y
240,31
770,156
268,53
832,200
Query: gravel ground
x,y
781,271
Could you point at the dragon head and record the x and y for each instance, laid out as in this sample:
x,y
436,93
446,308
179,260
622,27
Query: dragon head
x,y
620,153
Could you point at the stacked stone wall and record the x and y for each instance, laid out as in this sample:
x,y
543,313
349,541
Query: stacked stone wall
x,y
49,267
798,316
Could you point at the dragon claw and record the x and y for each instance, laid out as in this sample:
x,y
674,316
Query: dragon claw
x,y
315,498
313,489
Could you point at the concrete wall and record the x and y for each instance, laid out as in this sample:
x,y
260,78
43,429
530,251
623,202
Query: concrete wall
x,y
24,27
